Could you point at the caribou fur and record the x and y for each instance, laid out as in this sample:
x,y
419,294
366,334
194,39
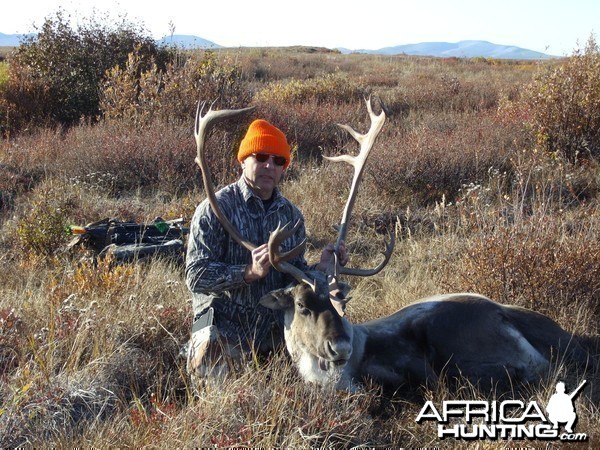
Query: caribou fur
x,y
453,335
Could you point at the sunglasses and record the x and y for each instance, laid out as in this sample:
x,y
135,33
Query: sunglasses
x,y
264,157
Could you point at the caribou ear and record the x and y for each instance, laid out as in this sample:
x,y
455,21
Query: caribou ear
x,y
279,299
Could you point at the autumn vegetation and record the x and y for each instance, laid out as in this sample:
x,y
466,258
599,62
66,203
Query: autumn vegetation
x,y
486,170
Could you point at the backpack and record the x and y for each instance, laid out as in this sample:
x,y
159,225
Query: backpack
x,y
131,241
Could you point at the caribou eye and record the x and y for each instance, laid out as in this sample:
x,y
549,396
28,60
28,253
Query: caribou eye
x,y
302,309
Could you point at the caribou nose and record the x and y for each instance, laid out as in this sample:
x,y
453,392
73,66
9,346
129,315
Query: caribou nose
x,y
339,350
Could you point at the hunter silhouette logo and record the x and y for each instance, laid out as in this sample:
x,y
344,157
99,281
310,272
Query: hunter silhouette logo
x,y
560,407
507,419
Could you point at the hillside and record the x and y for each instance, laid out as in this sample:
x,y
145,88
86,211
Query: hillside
x,y
187,41
462,49
11,40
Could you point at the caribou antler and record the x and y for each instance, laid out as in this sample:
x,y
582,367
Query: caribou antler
x,y
366,142
201,127
279,261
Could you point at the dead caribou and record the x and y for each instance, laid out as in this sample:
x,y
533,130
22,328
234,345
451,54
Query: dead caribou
x,y
454,335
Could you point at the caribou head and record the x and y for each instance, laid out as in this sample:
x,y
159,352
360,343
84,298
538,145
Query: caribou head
x,y
317,337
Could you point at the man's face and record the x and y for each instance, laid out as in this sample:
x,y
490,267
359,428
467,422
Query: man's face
x,y
262,177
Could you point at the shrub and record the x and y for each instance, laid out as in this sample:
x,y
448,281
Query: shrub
x,y
55,74
438,157
14,180
3,73
42,229
112,158
107,159
445,92
102,279
269,64
142,95
562,106
332,87
545,263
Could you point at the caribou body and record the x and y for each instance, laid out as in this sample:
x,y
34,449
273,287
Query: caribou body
x,y
453,335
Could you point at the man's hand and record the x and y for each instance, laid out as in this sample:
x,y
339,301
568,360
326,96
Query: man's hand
x,y
260,265
328,254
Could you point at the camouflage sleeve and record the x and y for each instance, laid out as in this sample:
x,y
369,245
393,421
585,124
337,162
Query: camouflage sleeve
x,y
205,270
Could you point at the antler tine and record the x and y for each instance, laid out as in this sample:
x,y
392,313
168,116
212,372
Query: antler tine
x,y
389,248
280,261
279,236
366,142
201,126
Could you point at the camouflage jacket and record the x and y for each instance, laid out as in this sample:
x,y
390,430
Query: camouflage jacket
x,y
215,262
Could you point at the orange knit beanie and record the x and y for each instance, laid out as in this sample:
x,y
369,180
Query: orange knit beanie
x,y
262,137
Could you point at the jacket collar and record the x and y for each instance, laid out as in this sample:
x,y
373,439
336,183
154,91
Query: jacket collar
x,y
248,193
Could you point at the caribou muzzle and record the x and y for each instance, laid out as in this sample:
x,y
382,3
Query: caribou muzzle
x,y
338,353
329,331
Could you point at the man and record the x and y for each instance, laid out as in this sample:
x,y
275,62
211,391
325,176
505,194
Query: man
x,y
560,407
225,279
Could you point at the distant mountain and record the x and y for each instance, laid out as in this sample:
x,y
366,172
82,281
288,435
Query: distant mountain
x,y
186,42
11,40
462,49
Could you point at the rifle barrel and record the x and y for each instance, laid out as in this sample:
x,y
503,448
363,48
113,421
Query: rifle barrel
x,y
574,393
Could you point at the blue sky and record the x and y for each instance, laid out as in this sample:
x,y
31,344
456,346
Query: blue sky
x,y
552,26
